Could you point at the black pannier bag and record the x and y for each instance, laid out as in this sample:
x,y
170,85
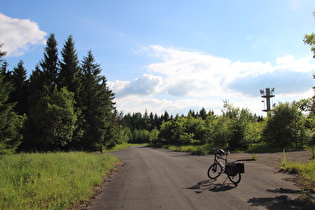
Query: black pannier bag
x,y
232,169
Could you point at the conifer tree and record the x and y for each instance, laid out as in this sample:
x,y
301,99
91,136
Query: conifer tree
x,y
10,122
69,76
96,102
20,93
50,63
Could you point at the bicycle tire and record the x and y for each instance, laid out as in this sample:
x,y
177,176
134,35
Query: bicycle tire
x,y
214,171
235,179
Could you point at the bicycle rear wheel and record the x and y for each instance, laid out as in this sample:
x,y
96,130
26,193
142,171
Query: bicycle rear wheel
x,y
235,179
214,171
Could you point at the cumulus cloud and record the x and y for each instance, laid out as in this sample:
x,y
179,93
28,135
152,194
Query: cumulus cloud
x,y
184,80
18,35
197,74
145,85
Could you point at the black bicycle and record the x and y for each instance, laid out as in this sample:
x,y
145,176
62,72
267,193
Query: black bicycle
x,y
232,169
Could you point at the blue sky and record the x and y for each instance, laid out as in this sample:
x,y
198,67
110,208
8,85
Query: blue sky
x,y
175,55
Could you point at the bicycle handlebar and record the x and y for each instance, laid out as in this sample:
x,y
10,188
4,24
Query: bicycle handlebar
x,y
220,152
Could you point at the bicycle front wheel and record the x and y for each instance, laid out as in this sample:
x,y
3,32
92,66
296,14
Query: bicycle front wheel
x,y
235,179
214,171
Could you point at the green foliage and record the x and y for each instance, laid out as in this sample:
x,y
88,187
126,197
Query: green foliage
x,y
50,63
97,109
154,136
182,130
20,92
69,75
310,40
193,149
221,131
284,127
53,118
10,122
50,180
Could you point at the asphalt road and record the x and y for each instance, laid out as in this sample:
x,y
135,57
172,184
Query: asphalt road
x,y
153,178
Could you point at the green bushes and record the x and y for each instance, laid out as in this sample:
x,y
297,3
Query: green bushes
x,y
50,180
287,127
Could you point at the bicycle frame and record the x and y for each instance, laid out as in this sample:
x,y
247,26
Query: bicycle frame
x,y
217,156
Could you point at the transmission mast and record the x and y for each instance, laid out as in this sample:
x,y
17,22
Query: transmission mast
x,y
267,94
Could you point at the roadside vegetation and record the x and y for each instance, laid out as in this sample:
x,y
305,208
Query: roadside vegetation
x,y
50,180
305,173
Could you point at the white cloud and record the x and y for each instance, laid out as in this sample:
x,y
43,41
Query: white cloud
x,y
185,80
18,35
145,85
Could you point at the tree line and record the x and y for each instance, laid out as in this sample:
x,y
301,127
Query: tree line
x,y
235,129
65,104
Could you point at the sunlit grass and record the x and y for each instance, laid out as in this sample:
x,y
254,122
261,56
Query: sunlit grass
x,y
193,149
123,146
50,180
306,172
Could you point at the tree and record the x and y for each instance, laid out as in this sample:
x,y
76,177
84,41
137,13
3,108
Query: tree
x,y
52,121
221,131
10,122
310,40
69,76
50,63
283,128
239,125
21,92
97,106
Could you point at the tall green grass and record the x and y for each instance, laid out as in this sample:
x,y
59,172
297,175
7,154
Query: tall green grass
x,y
50,180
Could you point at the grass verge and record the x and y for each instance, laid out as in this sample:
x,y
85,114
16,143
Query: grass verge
x,y
306,176
50,180
193,149
123,146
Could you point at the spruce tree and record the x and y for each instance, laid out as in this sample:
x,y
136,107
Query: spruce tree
x,y
20,93
50,63
10,122
69,76
96,101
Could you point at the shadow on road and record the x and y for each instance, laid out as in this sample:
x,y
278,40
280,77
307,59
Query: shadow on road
x,y
209,185
282,201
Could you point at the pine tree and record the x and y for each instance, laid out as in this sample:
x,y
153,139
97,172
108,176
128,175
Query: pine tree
x,y
20,93
10,122
96,102
50,63
69,76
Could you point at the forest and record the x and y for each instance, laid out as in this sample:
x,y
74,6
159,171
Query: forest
x,y
66,105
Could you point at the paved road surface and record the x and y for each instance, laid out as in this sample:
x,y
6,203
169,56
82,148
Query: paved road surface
x,y
153,178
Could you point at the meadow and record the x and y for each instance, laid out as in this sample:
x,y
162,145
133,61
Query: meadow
x,y
50,180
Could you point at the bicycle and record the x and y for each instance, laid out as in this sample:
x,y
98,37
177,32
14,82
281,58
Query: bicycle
x,y
232,169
